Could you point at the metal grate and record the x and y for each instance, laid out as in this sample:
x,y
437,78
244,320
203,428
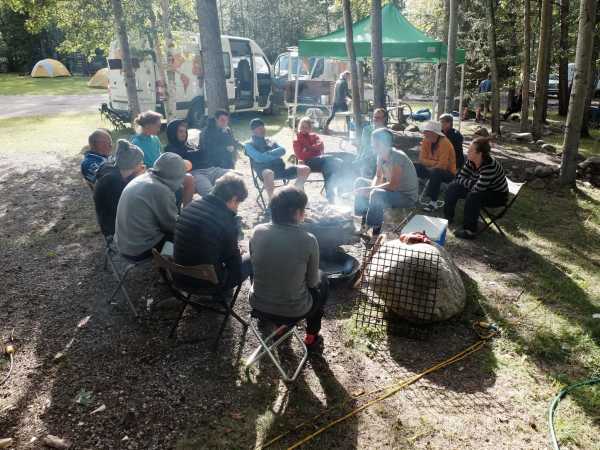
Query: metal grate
x,y
399,287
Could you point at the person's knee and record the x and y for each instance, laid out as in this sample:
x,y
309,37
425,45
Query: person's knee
x,y
268,176
303,171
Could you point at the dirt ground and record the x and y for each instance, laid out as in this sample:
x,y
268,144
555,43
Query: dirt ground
x,y
161,393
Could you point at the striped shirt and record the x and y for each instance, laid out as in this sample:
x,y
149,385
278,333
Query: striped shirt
x,y
489,177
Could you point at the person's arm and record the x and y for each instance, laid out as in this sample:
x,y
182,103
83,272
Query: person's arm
x,y
165,211
316,145
232,258
394,181
424,154
300,150
466,176
262,158
312,268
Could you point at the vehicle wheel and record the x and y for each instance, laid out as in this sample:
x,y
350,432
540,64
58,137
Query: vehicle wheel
x,y
196,116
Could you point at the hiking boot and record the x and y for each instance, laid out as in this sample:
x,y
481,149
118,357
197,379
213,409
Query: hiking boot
x,y
464,234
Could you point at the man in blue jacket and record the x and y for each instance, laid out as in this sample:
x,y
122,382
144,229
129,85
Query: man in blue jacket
x,y
100,148
267,159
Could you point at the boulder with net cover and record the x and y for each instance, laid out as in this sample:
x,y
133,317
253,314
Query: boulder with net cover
x,y
415,282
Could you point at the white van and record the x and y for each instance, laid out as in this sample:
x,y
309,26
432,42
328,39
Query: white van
x,y
247,73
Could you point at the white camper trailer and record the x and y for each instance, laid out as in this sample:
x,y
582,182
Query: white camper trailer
x,y
247,73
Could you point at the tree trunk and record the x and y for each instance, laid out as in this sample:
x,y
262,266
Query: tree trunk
x,y
130,84
543,69
451,58
442,73
215,90
563,65
583,61
525,71
377,55
361,80
495,102
353,67
593,82
170,69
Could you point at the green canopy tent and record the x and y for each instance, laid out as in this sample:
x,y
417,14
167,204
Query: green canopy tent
x,y
401,42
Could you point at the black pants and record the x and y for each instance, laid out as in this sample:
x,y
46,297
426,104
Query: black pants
x,y
473,203
335,109
148,253
330,167
436,178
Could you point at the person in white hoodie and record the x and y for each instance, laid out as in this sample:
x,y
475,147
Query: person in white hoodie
x,y
147,209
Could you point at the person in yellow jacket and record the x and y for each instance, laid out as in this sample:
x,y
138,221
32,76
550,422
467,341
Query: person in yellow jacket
x,y
437,162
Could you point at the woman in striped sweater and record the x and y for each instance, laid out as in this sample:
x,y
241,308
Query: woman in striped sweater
x,y
481,182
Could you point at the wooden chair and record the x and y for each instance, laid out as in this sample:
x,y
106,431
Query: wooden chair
x,y
490,216
212,298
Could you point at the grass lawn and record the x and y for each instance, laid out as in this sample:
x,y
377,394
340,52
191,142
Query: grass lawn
x,y
67,133
13,84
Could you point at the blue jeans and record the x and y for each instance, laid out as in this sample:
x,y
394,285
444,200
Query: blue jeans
x,y
373,206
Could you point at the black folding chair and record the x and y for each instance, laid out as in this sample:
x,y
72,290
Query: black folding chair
x,y
258,182
490,216
292,159
212,298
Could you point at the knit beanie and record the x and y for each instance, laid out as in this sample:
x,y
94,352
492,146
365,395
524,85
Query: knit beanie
x,y
171,168
255,123
128,156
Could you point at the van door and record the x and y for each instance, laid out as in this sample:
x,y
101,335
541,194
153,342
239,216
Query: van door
x,y
263,79
145,78
241,60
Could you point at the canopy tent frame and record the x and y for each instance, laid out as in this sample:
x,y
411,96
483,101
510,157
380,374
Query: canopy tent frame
x,y
419,48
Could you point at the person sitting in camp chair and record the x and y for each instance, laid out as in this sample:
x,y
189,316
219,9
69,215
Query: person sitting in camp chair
x,y
481,182
100,148
285,261
437,162
112,179
147,209
395,184
266,156
207,232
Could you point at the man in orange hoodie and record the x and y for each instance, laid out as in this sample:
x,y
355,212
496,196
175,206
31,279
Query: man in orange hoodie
x,y
437,162
309,150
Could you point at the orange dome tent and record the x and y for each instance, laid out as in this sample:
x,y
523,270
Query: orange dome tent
x,y
49,68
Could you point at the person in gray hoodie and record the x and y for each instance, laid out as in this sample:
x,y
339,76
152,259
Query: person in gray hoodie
x,y
147,211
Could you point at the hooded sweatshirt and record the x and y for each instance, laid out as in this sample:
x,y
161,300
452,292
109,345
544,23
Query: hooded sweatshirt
x,y
183,149
147,209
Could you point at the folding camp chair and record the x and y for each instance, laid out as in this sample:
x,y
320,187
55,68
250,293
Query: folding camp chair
x,y
259,185
214,296
490,216
121,267
268,345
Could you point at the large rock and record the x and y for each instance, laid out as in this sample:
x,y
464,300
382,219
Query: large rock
x,y
549,148
522,136
544,171
418,282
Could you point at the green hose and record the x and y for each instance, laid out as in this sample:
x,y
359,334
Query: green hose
x,y
554,405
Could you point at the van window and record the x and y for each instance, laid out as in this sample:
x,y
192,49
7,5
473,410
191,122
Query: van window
x,y
318,68
284,65
227,64
261,68
117,64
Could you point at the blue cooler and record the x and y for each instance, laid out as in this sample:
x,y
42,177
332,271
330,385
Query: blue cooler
x,y
434,227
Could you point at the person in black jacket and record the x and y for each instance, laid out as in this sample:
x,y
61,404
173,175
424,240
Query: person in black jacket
x,y
217,143
207,232
455,136
112,179
204,174
340,95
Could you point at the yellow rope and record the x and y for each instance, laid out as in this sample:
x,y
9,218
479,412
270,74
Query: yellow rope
x,y
389,391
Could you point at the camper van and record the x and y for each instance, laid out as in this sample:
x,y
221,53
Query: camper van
x,y
247,73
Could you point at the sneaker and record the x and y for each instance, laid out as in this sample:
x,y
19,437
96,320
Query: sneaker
x,y
464,234
429,206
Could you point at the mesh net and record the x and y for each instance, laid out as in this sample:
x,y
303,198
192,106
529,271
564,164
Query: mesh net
x,y
398,289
